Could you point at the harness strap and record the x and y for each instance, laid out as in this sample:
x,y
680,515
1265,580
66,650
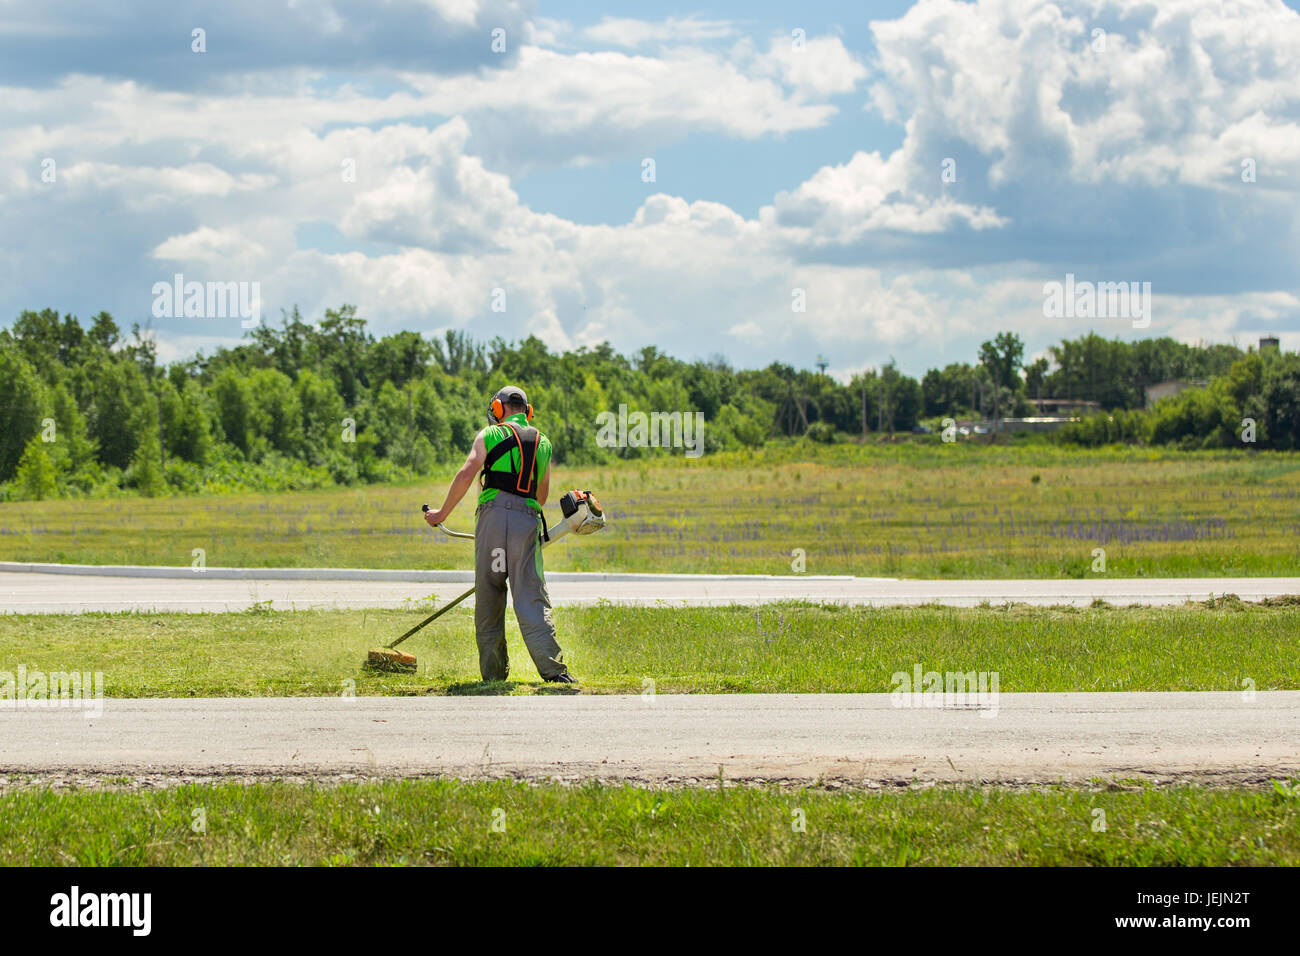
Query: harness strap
x,y
513,481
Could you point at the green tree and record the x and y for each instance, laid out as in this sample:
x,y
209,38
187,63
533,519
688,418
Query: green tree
x,y
1003,358
187,426
104,332
322,416
40,335
1281,400
122,410
276,412
430,418
458,354
902,397
398,358
71,434
1094,369
287,347
37,478
342,344
1036,376
22,397
234,406
949,391
146,472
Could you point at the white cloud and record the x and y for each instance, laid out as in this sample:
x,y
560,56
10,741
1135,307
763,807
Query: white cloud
x,y
1180,93
620,31
212,246
591,104
818,66
840,204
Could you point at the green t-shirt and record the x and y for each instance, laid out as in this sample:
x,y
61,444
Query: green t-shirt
x,y
509,462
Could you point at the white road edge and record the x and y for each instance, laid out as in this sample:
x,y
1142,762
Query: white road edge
x,y
44,589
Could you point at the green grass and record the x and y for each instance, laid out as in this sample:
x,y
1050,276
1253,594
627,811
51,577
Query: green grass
x,y
448,822
784,648
912,510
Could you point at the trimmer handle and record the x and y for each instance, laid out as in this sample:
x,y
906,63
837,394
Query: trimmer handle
x,y
451,534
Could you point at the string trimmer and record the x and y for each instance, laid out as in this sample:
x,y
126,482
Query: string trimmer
x,y
580,514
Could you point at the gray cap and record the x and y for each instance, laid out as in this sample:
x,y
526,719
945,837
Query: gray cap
x,y
510,394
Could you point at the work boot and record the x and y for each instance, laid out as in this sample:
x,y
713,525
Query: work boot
x,y
564,677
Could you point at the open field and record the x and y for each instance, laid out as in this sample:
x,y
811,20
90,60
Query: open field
x,y
912,510
782,648
451,823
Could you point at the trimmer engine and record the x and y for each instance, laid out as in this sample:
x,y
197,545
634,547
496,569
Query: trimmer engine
x,y
581,512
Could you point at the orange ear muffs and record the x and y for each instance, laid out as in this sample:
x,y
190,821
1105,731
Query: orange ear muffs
x,y
499,411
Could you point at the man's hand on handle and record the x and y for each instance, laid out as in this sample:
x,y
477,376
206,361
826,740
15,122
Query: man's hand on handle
x,y
460,484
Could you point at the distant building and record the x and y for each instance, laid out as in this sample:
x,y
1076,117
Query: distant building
x,y
967,427
1168,389
1040,423
1058,407
1270,342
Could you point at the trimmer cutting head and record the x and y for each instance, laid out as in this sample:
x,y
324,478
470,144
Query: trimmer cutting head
x,y
390,660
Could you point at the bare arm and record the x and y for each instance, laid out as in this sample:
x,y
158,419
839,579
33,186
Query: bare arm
x,y
460,484
544,486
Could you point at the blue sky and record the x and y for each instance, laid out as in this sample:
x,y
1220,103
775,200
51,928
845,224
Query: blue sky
x,y
786,169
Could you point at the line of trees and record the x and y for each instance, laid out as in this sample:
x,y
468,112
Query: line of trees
x,y
1111,372
1256,401
85,410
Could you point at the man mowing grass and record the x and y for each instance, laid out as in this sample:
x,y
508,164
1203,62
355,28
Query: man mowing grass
x,y
512,460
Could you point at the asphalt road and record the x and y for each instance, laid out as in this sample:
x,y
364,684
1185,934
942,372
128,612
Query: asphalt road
x,y
860,739
180,589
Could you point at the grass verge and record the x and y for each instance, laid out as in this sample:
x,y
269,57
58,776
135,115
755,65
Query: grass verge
x,y
510,824
783,648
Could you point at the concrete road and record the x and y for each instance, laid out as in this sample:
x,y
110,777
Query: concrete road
x,y
72,589
858,739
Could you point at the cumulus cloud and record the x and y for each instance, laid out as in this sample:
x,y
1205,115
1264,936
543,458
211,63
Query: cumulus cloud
x,y
841,204
577,108
817,65
206,245
41,43
1123,158
1098,90
1106,133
